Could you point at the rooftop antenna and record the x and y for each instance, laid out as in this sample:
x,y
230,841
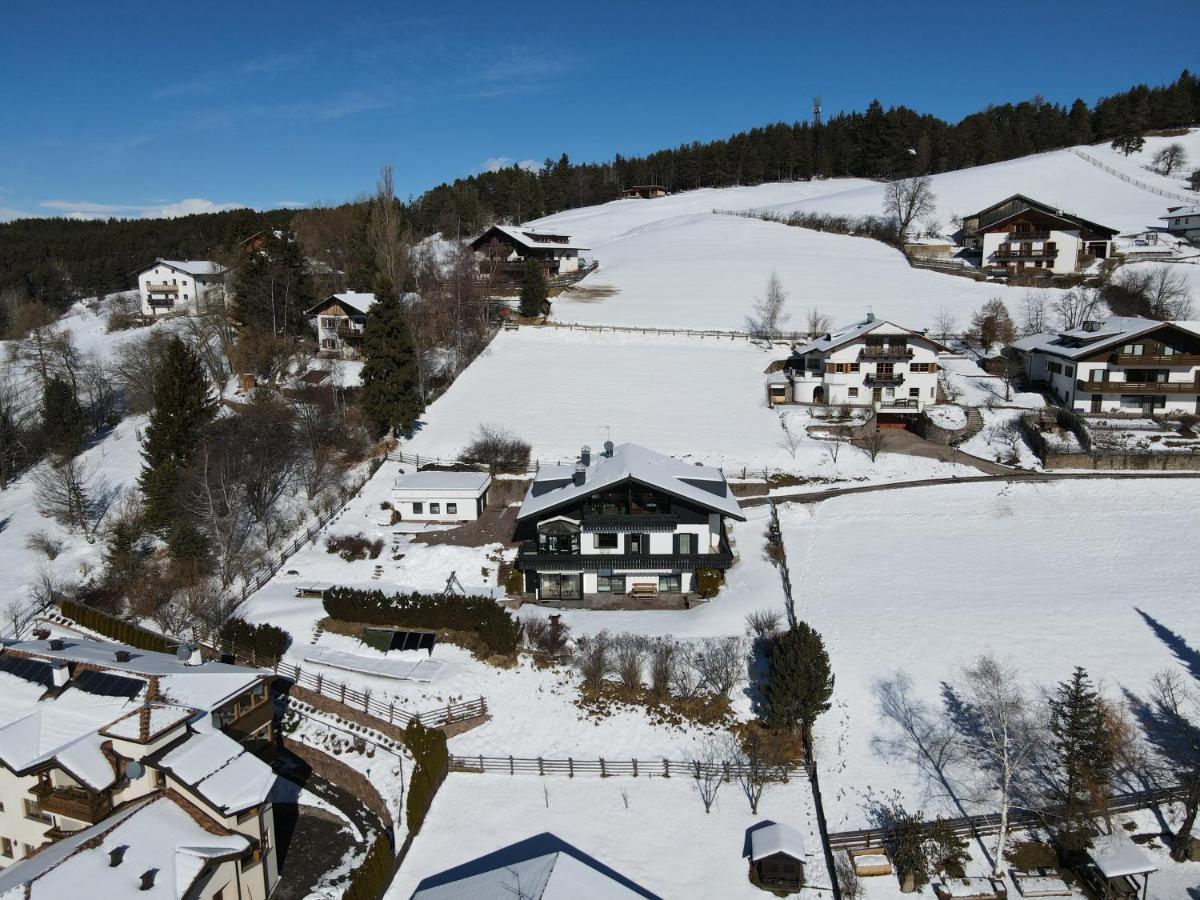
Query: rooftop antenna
x,y
816,112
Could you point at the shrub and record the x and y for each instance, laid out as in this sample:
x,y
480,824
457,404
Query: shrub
x,y
514,582
629,659
592,659
40,542
373,875
708,582
431,763
1073,422
1030,855
351,547
498,449
480,616
264,640
117,629
548,637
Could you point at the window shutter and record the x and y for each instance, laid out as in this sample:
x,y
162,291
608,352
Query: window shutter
x,y
628,543
675,542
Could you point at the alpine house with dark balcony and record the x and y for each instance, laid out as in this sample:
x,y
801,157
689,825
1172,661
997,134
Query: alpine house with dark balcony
x,y
625,527
1025,237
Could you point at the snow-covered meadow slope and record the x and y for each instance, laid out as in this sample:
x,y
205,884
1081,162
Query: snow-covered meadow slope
x,y
673,262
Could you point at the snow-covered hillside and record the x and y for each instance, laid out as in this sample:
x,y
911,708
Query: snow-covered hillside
x,y
673,262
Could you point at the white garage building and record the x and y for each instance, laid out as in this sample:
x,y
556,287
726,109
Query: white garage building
x,y
441,496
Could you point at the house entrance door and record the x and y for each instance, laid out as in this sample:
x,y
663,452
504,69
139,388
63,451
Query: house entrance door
x,y
1096,400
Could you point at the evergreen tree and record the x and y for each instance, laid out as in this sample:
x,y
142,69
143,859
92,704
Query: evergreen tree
x,y
533,289
1079,124
799,678
182,407
64,426
1080,738
390,396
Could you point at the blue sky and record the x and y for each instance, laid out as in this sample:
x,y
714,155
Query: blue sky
x,y
141,109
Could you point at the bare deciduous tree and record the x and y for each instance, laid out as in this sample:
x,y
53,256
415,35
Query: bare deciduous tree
x,y
873,442
1169,159
944,323
1175,708
1035,317
1075,307
722,663
907,200
791,441
629,660
1006,733
388,244
768,315
707,765
817,323
593,659
754,765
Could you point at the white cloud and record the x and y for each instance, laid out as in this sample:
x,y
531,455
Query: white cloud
x,y
86,209
496,163
7,214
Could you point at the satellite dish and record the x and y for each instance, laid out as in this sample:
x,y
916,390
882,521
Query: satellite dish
x,y
134,769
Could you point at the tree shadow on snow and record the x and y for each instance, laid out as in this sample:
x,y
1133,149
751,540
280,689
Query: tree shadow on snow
x,y
1184,652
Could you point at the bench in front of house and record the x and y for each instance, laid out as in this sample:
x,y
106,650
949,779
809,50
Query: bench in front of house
x,y
643,591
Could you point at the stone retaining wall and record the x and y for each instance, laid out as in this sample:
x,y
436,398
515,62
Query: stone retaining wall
x,y
345,777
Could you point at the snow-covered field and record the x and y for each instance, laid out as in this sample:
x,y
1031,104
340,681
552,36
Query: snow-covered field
x,y
916,583
652,831
698,399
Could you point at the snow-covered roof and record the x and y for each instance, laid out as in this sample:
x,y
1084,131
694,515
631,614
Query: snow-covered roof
x,y
220,770
199,267
360,301
1115,855
157,718
553,876
528,237
848,333
1077,342
554,486
205,686
472,482
777,838
1181,211
157,834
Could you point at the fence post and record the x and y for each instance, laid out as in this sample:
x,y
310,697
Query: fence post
x,y
603,773
510,764
481,769
391,712
570,767
635,774
666,768
541,768
343,693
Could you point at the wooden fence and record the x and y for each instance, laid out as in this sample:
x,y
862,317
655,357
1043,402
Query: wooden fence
x,y
385,711
605,768
702,333
989,823
1171,195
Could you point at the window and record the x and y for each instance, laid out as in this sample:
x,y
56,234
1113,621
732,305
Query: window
x,y
605,541
853,392
6,847
26,850
922,367
418,509
914,392
1133,349
686,543
669,583
1070,371
637,544
552,586
451,509
34,812
435,509
1056,368
610,584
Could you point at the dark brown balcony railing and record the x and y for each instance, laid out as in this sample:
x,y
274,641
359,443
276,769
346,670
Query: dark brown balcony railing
x,y
1139,387
162,288
1028,235
893,380
1025,254
1176,359
877,352
74,803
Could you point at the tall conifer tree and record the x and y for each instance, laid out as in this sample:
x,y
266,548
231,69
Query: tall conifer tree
x,y
390,395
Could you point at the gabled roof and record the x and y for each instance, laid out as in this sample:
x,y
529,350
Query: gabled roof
x,y
158,833
1038,205
553,486
1176,212
849,333
219,769
358,301
552,876
1076,343
527,237
193,267
777,838
432,480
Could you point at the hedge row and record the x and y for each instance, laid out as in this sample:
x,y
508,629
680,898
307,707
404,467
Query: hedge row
x,y
371,879
265,641
431,764
481,616
117,629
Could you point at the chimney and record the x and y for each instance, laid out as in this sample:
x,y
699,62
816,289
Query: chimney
x,y
608,449
147,879
870,317
585,455
580,474
115,855
60,673
191,655
123,656
56,643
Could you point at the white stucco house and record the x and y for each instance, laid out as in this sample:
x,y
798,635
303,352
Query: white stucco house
x,y
510,245
871,363
1025,237
171,284
1118,365
624,523
441,496
339,321
1183,221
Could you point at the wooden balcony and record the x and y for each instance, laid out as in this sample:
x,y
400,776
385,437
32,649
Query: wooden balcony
x,y
530,559
894,379
74,803
1028,236
868,353
1016,255
1177,359
1138,387
162,288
